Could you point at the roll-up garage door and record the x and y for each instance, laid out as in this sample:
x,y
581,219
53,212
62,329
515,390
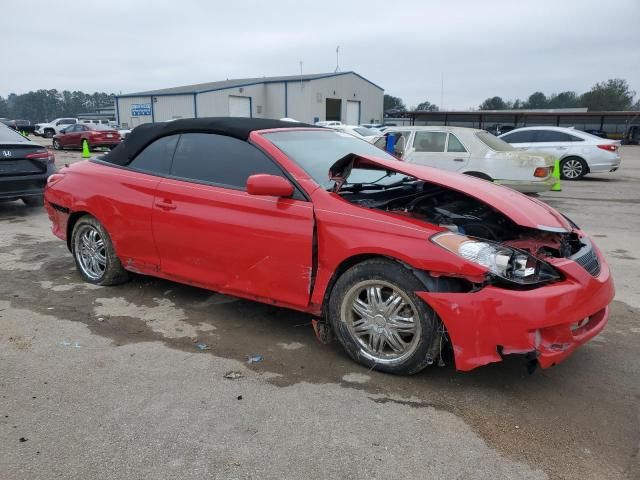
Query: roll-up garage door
x,y
239,106
353,112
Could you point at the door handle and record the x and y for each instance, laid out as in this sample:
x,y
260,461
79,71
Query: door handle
x,y
165,205
458,159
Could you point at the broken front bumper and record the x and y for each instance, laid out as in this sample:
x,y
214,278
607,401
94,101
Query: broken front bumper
x,y
550,321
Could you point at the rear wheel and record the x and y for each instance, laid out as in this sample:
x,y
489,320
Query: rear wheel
x,y
380,321
573,168
48,133
35,201
93,252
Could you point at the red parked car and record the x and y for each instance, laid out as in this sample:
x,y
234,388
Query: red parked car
x,y
74,136
398,261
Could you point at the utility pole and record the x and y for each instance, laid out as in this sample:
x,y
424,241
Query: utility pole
x,y
442,91
337,59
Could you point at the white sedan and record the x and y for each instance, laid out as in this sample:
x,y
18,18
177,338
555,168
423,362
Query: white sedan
x,y
579,152
473,152
358,131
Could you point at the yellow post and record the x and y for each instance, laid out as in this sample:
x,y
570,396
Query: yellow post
x,y
85,149
556,174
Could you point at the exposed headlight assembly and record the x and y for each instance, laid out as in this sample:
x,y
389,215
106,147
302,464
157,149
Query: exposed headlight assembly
x,y
504,263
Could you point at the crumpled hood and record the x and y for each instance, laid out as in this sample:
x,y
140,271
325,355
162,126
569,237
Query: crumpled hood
x,y
523,210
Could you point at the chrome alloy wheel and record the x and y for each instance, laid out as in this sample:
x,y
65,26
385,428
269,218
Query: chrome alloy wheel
x,y
382,320
572,168
90,252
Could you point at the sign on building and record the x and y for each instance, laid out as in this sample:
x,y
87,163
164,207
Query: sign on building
x,y
140,109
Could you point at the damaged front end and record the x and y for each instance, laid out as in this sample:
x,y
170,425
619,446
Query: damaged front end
x,y
546,288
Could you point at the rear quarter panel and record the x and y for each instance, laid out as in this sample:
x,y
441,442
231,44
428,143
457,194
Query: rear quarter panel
x,y
120,200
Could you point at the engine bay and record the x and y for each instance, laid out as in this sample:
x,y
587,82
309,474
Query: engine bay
x,y
460,213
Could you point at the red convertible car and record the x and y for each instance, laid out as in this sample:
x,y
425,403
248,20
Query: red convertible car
x,y
398,261
75,136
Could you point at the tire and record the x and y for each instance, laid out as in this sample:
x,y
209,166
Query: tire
x,y
35,201
480,175
573,168
94,255
56,144
48,133
380,340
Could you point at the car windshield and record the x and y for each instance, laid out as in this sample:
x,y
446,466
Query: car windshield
x,y
317,151
493,142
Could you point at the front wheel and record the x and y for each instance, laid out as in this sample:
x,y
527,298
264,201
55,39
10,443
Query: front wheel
x,y
573,168
56,144
93,252
380,321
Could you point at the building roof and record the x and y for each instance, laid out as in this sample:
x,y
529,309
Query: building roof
x,y
557,112
239,82
237,127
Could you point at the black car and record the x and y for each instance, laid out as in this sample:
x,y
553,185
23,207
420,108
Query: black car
x,y
24,168
597,133
25,126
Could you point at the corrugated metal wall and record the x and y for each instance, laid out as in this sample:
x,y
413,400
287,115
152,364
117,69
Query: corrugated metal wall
x,y
305,101
123,111
172,107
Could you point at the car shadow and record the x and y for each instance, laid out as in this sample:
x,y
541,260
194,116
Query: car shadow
x,y
17,208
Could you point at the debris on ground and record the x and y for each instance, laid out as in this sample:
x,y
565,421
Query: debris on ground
x,y
22,439
255,358
202,346
233,375
66,343
239,397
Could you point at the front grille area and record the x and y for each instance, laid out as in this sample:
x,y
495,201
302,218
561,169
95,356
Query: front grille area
x,y
586,257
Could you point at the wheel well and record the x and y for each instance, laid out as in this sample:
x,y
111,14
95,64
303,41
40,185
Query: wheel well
x,y
481,175
73,219
432,284
343,267
586,164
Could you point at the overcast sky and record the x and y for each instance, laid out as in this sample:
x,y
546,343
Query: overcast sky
x,y
481,48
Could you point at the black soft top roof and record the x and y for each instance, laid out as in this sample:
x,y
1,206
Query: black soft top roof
x,y
147,133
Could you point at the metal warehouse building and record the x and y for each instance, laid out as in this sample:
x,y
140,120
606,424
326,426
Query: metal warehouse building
x,y
344,96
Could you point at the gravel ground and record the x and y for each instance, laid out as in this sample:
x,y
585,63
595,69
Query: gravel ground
x,y
108,382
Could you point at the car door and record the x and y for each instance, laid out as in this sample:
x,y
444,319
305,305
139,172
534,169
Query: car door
x,y
79,132
211,232
550,142
522,139
69,136
129,193
430,148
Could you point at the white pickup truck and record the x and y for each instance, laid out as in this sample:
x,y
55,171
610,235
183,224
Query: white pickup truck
x,y
48,130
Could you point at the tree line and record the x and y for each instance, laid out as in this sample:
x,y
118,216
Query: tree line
x,y
613,94
45,105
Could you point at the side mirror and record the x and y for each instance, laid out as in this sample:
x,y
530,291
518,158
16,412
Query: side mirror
x,y
63,131
271,185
